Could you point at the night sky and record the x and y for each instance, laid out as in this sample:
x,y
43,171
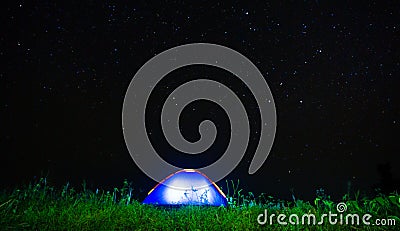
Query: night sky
x,y
333,69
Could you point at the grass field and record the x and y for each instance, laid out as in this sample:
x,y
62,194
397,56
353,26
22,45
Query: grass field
x,y
39,206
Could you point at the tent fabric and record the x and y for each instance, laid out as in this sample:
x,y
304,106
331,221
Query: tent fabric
x,y
186,187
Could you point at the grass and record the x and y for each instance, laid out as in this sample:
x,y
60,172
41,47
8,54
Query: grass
x,y
39,206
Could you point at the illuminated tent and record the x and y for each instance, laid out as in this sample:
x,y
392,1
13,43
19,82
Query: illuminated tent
x,y
186,187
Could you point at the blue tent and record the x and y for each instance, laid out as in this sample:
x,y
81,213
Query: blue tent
x,y
186,187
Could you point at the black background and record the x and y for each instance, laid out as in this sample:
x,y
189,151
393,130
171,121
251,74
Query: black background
x,y
333,69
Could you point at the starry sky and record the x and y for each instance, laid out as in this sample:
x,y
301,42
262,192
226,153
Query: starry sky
x,y
333,69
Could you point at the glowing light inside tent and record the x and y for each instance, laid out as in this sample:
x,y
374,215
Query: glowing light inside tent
x,y
186,187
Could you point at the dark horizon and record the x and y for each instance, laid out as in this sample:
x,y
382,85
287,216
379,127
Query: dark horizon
x,y
333,70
